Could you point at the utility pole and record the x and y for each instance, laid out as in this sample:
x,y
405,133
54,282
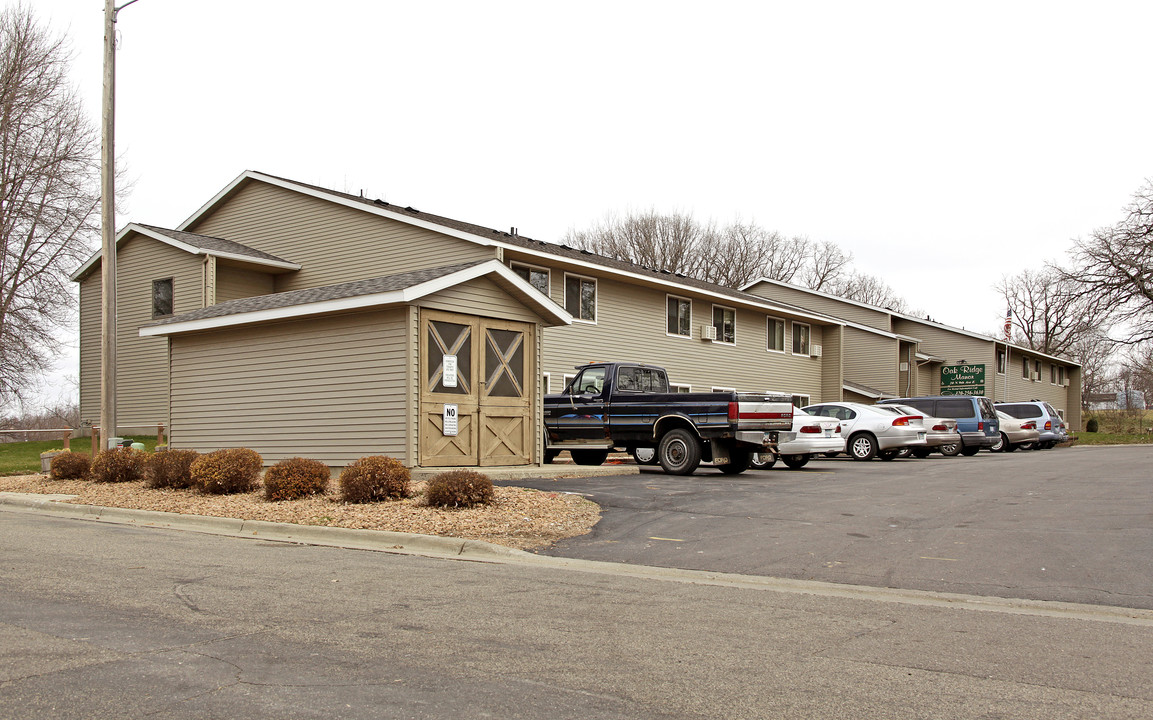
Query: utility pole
x,y
108,229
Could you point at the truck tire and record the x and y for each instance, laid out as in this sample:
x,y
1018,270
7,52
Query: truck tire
x,y
679,452
741,460
795,462
589,457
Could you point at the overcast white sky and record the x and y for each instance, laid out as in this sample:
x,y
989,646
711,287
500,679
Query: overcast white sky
x,y
944,145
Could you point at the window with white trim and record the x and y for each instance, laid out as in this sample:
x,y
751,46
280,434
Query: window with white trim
x,y
1037,369
567,379
546,382
1000,362
776,332
800,400
1052,373
801,333
580,297
724,389
680,388
538,277
725,322
1025,368
678,316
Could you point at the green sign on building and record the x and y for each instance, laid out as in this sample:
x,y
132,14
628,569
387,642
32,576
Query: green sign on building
x,y
962,379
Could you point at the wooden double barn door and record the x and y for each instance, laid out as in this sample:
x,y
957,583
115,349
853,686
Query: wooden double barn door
x,y
486,369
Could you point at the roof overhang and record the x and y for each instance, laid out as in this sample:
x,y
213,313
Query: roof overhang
x,y
133,228
494,269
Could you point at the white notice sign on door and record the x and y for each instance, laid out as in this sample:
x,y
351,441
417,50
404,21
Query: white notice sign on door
x,y
449,364
450,419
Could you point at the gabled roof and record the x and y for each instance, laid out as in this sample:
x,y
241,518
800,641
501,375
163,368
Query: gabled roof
x,y
496,238
196,245
869,392
357,295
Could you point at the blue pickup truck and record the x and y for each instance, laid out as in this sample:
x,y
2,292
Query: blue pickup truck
x,y
630,406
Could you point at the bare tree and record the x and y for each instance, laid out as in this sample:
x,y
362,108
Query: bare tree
x,y
1115,266
1094,352
826,265
867,289
1050,312
673,242
49,195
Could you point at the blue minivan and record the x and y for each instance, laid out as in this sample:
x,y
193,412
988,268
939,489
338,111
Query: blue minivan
x,y
976,417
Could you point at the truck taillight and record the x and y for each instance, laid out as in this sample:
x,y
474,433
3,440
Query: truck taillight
x,y
734,412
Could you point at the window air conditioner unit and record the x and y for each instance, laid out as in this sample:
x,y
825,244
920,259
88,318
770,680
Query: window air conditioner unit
x,y
1035,377
708,332
904,367
1065,382
814,351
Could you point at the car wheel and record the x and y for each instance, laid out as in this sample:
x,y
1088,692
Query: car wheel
x,y
763,461
1027,446
999,446
862,446
888,454
970,451
679,452
795,462
644,455
904,452
739,462
589,457
1008,446
951,449
1047,445
921,453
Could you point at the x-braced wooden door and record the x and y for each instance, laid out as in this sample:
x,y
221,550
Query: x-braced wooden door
x,y
477,384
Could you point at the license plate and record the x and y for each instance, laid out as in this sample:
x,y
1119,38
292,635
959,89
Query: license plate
x,y
920,436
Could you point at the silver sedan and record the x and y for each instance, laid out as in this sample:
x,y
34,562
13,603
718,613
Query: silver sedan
x,y
871,432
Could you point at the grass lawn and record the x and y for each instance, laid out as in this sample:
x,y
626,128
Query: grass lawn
x,y
23,458
1118,427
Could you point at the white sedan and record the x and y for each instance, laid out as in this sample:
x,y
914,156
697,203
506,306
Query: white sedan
x,y
814,435
871,432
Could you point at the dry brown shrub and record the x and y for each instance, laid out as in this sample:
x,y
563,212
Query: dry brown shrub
x,y
223,472
459,488
170,468
374,478
296,478
118,465
70,466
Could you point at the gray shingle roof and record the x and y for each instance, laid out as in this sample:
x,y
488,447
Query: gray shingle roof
x,y
292,298
212,244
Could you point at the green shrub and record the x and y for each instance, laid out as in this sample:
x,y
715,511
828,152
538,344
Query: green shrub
x,y
1092,425
118,465
170,469
374,478
459,488
295,478
223,472
70,466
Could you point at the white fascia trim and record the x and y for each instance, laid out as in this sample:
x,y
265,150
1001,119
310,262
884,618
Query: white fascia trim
x,y
488,242
392,297
990,339
328,197
191,249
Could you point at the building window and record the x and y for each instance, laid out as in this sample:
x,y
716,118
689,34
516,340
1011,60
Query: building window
x,y
801,338
1061,375
1037,370
1025,368
580,297
679,314
776,330
725,322
1052,374
162,298
723,389
680,388
537,277
1000,362
546,382
800,400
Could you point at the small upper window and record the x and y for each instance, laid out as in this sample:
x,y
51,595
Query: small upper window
x,y
537,277
776,329
1000,362
801,339
1026,368
162,298
725,322
580,297
679,315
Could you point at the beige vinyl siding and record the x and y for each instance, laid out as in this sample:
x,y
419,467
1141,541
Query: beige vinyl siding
x,y
871,360
333,243
142,363
90,349
482,297
233,283
333,389
810,300
631,325
832,365
1067,399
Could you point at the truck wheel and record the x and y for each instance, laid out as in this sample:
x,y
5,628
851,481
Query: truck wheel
x,y
644,455
589,457
740,462
763,461
679,452
795,462
862,446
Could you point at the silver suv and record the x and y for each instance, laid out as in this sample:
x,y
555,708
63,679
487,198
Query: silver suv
x,y
1049,423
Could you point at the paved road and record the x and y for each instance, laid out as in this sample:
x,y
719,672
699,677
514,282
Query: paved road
x,y
109,621
1069,524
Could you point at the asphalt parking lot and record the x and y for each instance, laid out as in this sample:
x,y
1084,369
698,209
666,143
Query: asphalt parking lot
x,y
1068,524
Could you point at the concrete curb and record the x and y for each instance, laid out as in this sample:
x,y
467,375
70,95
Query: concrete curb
x,y
478,551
